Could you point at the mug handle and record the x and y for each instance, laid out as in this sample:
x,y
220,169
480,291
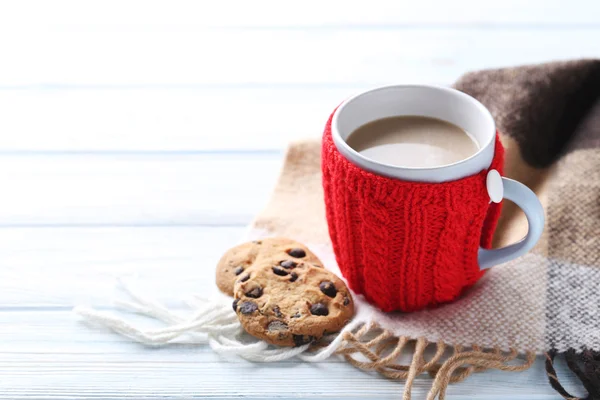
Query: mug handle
x,y
525,199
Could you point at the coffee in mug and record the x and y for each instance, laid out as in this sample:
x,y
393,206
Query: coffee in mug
x,y
413,141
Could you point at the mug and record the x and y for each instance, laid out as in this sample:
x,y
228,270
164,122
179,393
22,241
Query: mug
x,y
408,238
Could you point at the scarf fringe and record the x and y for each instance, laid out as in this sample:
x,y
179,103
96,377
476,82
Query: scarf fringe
x,y
382,352
364,345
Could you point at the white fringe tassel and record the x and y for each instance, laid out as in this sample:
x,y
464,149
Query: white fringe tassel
x,y
212,322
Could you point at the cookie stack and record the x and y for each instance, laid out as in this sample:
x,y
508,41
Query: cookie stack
x,y
282,294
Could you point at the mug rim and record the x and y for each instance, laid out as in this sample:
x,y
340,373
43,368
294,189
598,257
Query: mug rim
x,y
372,164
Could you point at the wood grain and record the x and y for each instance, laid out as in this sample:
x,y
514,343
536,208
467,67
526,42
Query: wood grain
x,y
159,57
128,189
164,119
312,13
63,267
47,352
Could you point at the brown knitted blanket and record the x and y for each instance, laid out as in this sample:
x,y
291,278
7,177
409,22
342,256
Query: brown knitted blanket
x,y
546,302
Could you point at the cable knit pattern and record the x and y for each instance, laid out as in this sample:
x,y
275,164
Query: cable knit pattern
x,y
406,245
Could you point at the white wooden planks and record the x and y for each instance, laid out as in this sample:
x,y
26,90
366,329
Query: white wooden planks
x,y
155,119
26,14
104,376
47,352
54,358
128,189
65,266
200,88
194,76
163,56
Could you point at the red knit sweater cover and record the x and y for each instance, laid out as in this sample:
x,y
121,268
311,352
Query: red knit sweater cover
x,y
406,245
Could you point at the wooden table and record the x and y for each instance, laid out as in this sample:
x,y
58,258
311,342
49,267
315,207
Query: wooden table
x,y
140,139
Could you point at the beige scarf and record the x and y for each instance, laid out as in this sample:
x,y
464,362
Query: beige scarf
x,y
547,301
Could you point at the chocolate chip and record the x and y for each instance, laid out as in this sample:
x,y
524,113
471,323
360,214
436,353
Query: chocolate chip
x,y
298,253
328,288
277,326
277,312
293,277
280,271
301,340
244,278
255,293
319,309
235,304
346,300
288,264
248,307
256,242
238,270
297,315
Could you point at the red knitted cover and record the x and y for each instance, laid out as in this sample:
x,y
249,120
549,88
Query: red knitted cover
x,y
406,245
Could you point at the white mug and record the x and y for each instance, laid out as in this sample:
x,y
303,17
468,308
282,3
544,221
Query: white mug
x,y
459,109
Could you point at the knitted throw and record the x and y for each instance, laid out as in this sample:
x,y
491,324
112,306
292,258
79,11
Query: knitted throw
x,y
449,222
547,301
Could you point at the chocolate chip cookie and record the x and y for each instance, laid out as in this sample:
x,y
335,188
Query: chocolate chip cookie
x,y
292,305
236,261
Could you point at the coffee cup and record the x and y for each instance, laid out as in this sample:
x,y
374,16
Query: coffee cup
x,y
411,237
